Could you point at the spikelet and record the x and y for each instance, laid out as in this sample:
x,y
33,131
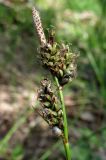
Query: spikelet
x,y
38,26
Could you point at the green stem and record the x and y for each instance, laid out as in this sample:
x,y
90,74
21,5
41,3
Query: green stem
x,y
65,139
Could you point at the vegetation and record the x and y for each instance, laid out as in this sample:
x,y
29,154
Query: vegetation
x,y
81,25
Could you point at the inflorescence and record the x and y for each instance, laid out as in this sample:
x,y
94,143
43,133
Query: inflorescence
x,y
50,110
61,63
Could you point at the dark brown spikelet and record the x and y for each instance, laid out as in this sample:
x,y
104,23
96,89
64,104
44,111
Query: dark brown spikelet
x,y
50,110
59,61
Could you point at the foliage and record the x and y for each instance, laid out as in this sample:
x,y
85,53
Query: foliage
x,y
82,23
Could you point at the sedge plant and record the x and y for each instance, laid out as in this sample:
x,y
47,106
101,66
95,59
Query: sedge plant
x,y
61,63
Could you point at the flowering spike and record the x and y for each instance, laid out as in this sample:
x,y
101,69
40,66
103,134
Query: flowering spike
x,y
50,109
38,26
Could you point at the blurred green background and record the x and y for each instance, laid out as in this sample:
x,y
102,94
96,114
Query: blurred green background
x,y
82,25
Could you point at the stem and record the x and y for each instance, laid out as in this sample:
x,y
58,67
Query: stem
x,y
65,139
